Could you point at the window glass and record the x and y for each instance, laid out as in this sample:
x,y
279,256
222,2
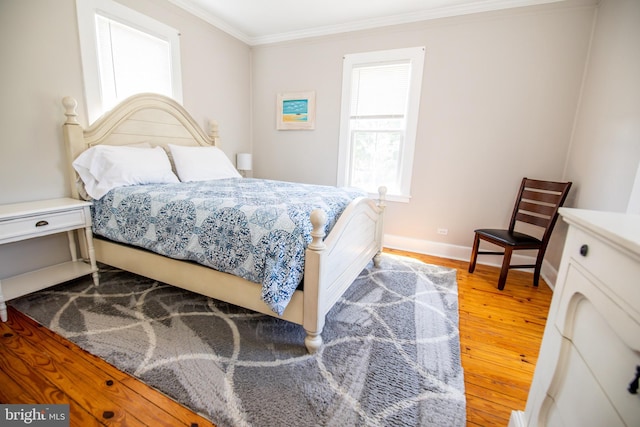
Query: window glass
x,y
130,61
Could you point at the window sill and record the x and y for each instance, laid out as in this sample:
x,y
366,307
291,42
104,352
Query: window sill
x,y
401,198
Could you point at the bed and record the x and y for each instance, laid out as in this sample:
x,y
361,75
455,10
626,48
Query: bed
x,y
331,261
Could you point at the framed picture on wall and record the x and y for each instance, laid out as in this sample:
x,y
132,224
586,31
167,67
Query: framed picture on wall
x,y
296,110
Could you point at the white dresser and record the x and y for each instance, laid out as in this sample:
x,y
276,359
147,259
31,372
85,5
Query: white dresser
x,y
590,353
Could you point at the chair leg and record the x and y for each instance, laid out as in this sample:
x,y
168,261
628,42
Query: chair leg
x,y
474,253
506,261
538,267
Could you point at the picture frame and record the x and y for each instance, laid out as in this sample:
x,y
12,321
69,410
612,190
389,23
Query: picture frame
x,y
296,110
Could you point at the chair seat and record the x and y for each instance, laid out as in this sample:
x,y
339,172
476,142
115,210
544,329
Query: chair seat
x,y
510,238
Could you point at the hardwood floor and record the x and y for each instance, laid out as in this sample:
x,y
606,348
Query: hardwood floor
x,y
500,334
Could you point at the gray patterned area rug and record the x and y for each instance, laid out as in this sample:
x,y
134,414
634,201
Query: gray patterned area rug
x,y
391,354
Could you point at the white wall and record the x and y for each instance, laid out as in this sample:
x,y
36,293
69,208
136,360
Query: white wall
x,y
41,63
500,93
605,151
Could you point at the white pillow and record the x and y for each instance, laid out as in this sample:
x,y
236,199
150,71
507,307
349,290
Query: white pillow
x,y
201,163
105,167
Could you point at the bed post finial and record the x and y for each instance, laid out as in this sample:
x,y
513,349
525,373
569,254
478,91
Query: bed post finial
x,y
382,197
70,105
213,132
318,220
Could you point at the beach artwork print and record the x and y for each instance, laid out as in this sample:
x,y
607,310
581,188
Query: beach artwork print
x,y
296,110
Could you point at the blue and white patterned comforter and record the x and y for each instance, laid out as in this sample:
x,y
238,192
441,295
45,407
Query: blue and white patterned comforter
x,y
255,229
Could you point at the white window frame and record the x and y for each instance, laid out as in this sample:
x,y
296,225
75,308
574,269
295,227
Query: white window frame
x,y
416,57
86,11
633,206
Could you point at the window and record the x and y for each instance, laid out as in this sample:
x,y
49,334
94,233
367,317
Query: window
x,y
380,102
123,53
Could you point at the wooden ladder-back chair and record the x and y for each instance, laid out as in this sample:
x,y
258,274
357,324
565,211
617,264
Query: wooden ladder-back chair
x,y
537,204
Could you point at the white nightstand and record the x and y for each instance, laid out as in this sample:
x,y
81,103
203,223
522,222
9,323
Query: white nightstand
x,y
22,221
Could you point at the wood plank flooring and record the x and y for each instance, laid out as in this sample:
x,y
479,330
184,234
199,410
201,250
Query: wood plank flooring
x,y
500,334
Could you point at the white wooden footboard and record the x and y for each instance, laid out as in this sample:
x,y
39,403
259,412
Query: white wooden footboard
x,y
331,266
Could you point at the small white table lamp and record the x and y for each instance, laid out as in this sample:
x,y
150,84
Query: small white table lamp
x,y
244,163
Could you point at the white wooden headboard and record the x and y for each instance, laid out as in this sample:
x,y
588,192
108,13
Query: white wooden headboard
x,y
143,118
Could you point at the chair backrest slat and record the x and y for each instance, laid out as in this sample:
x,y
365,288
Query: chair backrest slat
x,y
551,198
538,202
546,185
531,219
537,208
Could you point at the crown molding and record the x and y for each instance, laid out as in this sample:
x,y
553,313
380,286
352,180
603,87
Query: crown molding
x,y
407,18
425,15
212,19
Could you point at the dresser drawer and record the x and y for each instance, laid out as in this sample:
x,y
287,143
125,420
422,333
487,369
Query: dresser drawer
x,y
41,225
584,403
606,340
610,267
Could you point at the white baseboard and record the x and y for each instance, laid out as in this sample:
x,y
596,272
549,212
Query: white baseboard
x,y
463,253
517,419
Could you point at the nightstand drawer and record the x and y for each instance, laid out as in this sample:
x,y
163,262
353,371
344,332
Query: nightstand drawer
x,y
41,225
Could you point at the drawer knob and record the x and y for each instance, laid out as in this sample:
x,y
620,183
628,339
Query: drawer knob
x,y
633,387
584,250
42,223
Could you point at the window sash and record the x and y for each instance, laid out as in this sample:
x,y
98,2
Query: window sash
x,y
379,95
380,89
130,61
382,161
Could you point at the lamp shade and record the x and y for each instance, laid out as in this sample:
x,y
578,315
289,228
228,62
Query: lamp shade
x,y
243,161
